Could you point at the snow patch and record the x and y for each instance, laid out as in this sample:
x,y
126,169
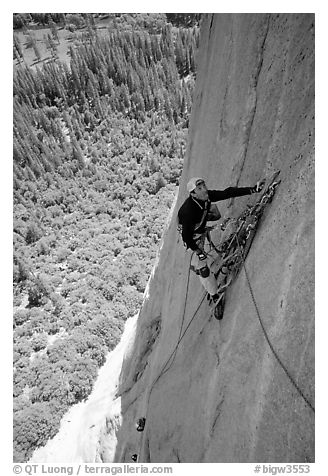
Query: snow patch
x,y
88,430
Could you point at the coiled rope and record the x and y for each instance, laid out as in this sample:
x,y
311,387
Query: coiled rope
x,y
307,401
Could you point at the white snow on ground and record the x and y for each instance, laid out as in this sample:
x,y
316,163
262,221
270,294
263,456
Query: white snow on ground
x,y
91,425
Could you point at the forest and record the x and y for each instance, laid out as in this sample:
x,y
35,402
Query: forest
x,y
98,147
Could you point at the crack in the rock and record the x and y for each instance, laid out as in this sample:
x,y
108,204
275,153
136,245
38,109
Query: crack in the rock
x,y
218,413
254,90
176,454
211,23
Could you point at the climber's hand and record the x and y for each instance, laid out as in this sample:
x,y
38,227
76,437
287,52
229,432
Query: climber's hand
x,y
258,187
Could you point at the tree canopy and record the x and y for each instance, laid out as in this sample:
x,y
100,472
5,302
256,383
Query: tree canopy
x,y
97,156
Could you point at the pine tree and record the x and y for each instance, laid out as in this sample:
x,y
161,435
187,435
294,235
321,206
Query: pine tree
x,y
91,86
125,97
54,31
51,45
17,46
77,154
167,42
179,53
187,62
36,51
167,106
15,54
155,47
18,154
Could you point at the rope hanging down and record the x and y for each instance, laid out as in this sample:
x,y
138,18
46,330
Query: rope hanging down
x,y
267,337
181,335
173,353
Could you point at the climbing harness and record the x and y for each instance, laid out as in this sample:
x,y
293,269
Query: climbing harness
x,y
205,210
205,271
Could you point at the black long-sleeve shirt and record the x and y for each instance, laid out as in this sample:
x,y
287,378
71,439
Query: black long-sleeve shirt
x,y
192,210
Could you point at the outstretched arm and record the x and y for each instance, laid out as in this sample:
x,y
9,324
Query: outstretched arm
x,y
230,192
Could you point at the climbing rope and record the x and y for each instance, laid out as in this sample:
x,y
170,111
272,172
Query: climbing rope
x,y
232,261
182,335
184,311
266,334
173,353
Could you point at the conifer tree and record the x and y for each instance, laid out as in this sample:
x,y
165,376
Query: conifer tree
x,y
77,153
54,30
92,85
17,46
52,46
125,97
179,53
16,54
36,51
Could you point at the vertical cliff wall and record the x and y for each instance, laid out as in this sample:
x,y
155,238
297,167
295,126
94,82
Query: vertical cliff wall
x,y
224,397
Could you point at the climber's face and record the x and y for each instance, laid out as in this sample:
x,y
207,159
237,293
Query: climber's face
x,y
201,192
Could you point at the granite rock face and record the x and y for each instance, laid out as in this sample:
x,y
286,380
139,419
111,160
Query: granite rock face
x,y
224,397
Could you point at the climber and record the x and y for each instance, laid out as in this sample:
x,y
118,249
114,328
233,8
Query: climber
x,y
193,216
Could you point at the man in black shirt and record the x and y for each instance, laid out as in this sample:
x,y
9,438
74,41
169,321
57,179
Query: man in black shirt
x,y
193,215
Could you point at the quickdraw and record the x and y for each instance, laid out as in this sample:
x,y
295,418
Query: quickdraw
x,y
244,228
